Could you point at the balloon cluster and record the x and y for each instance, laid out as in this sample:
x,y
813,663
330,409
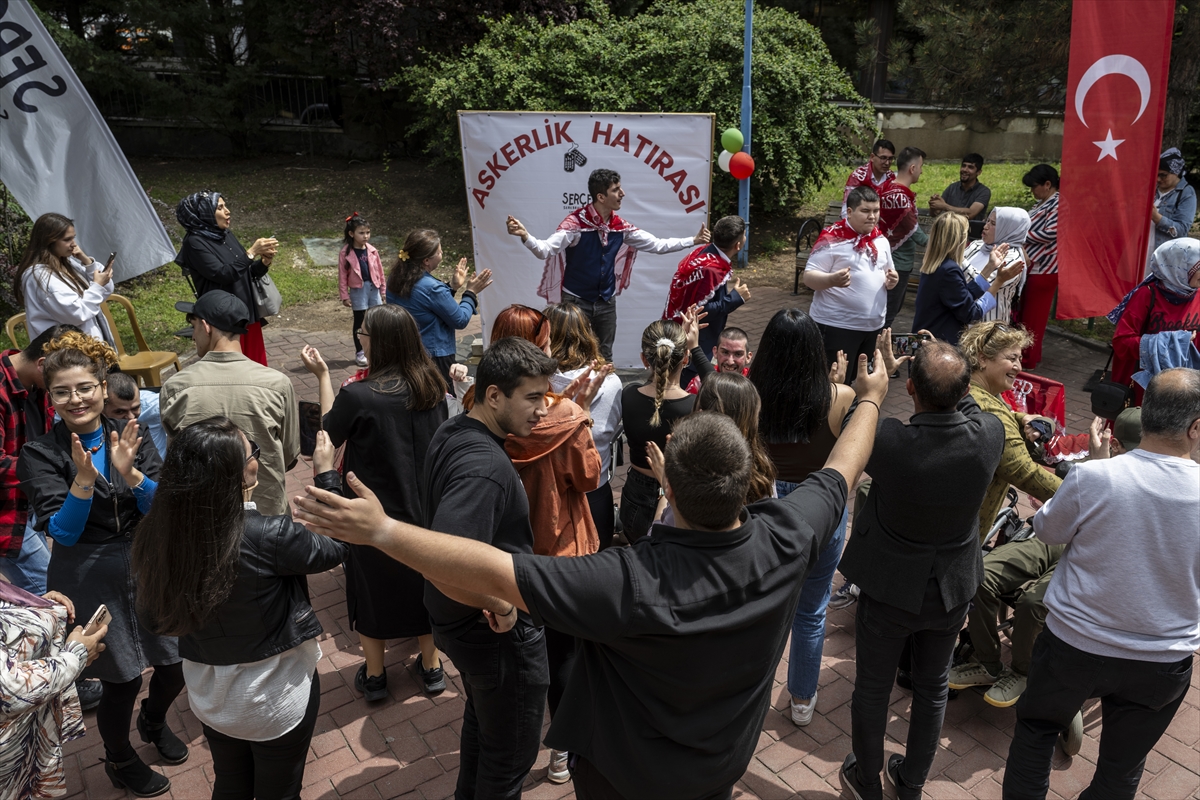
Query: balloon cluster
x,y
732,160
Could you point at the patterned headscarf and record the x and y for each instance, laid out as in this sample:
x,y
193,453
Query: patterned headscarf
x,y
1172,265
198,214
1172,160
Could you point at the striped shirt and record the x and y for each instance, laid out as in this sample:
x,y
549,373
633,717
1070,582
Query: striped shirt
x,y
1041,243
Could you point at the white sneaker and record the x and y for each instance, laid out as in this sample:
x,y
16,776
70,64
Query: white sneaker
x,y
360,358
802,711
844,597
558,767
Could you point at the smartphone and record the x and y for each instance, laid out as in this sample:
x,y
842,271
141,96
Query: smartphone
x,y
111,258
310,423
905,344
98,620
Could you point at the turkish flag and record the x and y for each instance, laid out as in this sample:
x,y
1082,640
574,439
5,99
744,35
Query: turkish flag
x,y
1112,135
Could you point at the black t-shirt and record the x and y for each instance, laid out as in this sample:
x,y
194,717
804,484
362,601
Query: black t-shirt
x,y
472,490
677,657
636,411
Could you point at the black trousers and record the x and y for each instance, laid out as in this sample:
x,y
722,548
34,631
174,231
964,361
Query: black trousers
x,y
560,657
272,770
852,343
117,703
590,784
1138,700
505,677
604,513
881,632
895,300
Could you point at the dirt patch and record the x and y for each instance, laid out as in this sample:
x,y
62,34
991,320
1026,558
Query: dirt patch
x,y
325,315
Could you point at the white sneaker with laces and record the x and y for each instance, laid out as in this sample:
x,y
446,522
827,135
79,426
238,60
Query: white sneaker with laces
x,y
802,711
558,767
844,597
360,358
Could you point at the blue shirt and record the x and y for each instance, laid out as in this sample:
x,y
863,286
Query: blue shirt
x,y
438,316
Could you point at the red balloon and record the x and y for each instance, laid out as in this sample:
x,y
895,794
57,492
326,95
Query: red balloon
x,y
741,166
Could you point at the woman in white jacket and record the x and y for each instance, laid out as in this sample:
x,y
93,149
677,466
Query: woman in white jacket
x,y
58,284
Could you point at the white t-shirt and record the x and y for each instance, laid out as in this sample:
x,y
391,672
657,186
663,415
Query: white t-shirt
x,y
861,306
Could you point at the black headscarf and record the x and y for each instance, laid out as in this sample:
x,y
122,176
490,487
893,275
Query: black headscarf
x,y
198,214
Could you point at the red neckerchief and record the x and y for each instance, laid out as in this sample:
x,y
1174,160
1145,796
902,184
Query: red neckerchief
x,y
897,213
841,231
699,275
588,219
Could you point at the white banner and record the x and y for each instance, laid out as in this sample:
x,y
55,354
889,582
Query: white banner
x,y
535,166
57,154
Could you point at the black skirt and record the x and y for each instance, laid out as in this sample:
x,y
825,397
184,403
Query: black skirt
x,y
384,598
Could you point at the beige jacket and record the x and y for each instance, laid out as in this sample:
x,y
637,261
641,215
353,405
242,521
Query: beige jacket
x,y
258,399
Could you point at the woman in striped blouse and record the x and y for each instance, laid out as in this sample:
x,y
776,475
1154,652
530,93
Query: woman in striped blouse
x,y
1041,246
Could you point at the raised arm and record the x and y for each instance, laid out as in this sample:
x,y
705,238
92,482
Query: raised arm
x,y
854,444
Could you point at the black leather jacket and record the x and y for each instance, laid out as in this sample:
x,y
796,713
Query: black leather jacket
x,y
268,611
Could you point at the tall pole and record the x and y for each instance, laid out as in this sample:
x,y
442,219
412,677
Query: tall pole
x,y
744,185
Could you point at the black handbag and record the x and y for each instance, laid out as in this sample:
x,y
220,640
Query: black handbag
x,y
1109,398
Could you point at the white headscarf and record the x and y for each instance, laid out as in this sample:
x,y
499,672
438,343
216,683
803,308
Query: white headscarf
x,y
1012,225
1174,262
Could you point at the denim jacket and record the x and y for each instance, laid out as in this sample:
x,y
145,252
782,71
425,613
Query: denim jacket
x,y
438,316
1178,211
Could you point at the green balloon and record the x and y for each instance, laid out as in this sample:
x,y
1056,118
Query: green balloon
x,y
732,140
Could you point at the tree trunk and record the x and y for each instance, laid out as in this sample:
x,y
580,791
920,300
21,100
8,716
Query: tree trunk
x,y
74,17
1183,78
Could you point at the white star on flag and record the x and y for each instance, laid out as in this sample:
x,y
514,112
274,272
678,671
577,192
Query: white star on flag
x,y
1108,147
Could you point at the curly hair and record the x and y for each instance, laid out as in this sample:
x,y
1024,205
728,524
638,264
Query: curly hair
x,y
75,349
987,340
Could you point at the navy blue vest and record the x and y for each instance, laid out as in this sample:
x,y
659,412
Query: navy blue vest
x,y
590,267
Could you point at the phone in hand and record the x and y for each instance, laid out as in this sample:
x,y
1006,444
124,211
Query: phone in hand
x,y
906,344
111,258
101,618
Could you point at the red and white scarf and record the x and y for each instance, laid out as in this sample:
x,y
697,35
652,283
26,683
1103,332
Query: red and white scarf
x,y
841,231
897,213
699,275
588,219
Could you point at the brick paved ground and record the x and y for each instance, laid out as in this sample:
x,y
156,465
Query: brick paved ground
x,y
407,746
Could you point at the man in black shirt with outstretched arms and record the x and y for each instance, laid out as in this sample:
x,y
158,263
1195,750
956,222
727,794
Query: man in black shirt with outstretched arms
x,y
681,633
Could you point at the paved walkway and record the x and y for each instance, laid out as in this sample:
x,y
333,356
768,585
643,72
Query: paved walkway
x,y
407,746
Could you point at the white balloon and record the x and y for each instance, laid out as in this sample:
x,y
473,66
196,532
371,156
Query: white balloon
x,y
723,160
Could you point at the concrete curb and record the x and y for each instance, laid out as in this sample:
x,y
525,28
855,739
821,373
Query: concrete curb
x,y
1099,347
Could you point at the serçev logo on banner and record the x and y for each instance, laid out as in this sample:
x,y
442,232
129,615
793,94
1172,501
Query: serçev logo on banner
x,y
654,155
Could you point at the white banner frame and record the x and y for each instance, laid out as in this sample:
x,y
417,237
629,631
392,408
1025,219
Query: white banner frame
x,y
535,165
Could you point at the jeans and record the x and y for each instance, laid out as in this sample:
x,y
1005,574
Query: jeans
x,y
1138,700
639,501
505,677
880,633
602,315
808,626
263,770
28,570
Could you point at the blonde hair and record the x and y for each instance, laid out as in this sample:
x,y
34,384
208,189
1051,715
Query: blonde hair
x,y
987,340
75,349
947,239
664,359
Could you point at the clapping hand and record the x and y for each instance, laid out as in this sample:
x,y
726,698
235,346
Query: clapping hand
x,y
311,358
995,260
123,450
460,275
692,325
264,248
657,461
1007,273
85,471
837,372
583,389
1099,439
479,281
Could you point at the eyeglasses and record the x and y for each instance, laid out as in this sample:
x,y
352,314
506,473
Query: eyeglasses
x,y
998,327
83,392
254,452
361,332
543,321
885,159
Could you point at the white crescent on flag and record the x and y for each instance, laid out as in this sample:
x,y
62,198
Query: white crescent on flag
x,y
1128,66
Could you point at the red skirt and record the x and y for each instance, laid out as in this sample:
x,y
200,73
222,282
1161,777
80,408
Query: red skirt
x,y
253,346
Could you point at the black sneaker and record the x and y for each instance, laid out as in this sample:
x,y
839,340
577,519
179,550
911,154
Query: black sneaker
x,y
853,782
434,679
903,790
90,691
374,688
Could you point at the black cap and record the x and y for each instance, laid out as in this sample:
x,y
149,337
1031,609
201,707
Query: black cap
x,y
220,309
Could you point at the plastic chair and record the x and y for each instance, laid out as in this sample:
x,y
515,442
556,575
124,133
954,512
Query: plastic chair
x,y
10,328
145,364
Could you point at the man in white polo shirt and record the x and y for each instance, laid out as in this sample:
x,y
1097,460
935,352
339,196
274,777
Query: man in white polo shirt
x,y
850,272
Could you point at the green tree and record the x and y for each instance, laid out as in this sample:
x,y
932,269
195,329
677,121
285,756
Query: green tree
x,y
675,57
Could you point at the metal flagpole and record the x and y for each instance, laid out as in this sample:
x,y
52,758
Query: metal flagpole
x,y
744,185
